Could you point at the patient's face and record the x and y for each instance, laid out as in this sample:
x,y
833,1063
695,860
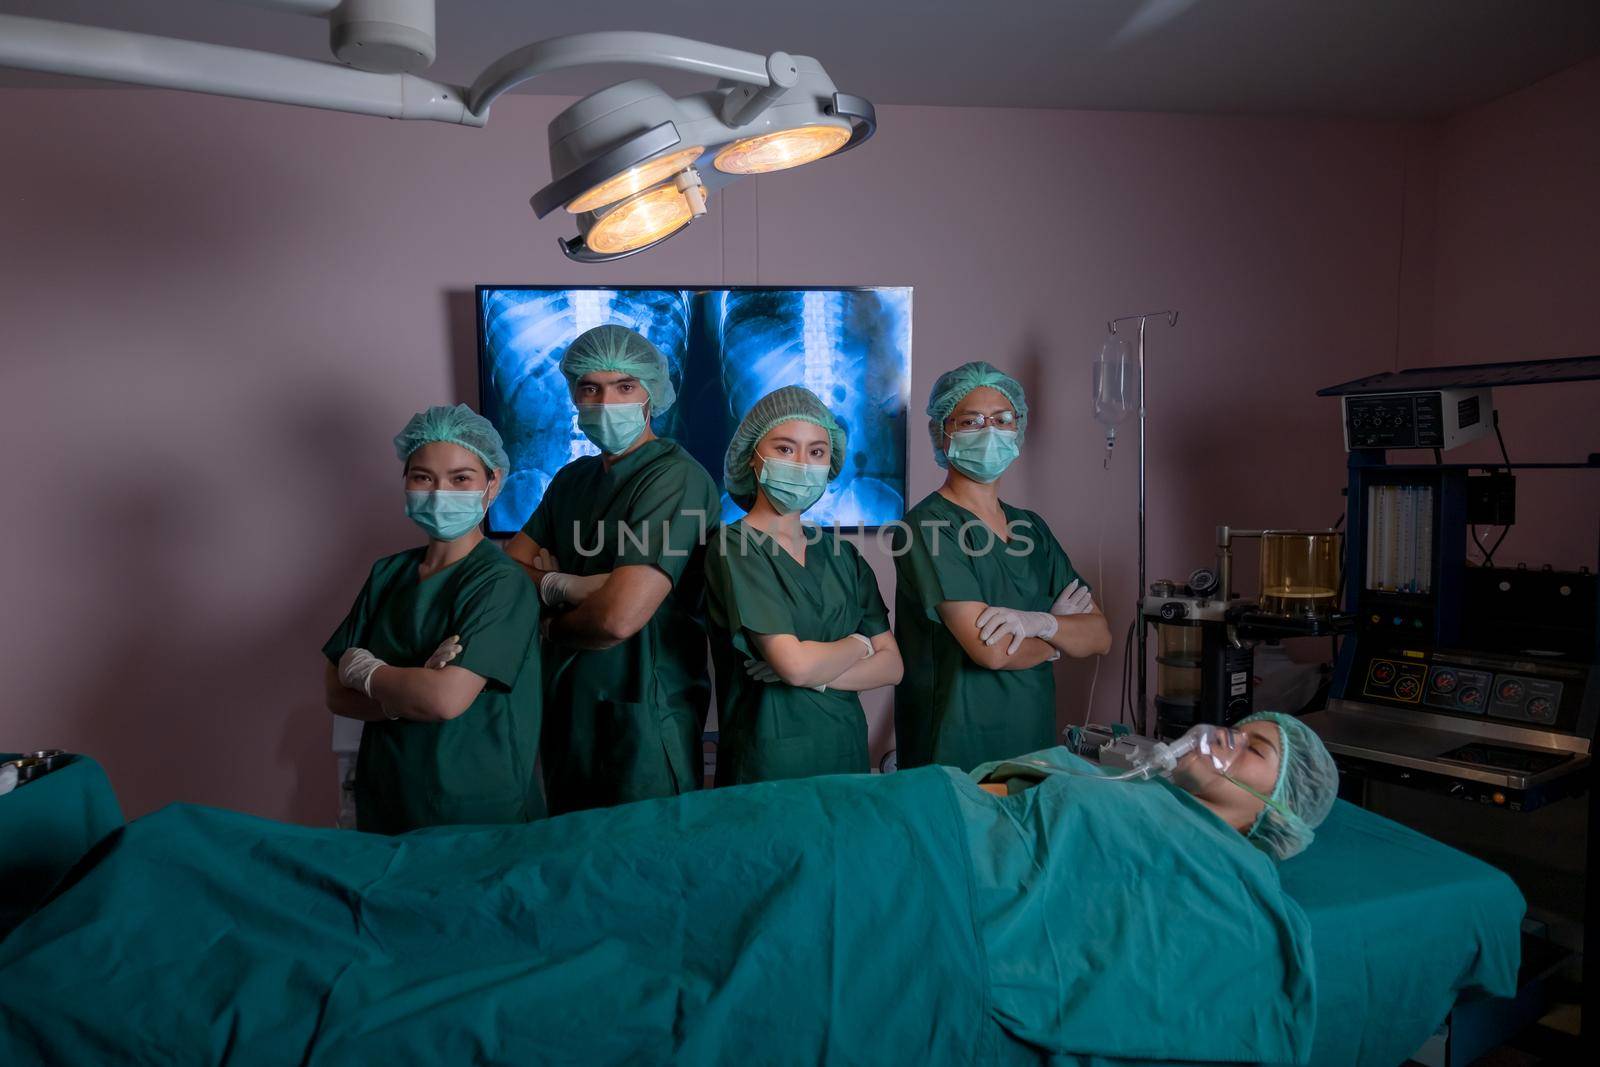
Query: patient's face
x,y
1256,766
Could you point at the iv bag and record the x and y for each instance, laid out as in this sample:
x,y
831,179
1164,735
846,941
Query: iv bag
x,y
1116,382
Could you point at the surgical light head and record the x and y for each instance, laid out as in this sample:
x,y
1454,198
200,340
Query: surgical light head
x,y
635,166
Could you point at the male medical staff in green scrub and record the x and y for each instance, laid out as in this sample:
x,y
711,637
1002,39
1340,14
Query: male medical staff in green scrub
x,y
986,598
798,628
439,655
617,548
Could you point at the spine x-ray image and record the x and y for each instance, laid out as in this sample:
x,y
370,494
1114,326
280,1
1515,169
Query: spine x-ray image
x,y
726,349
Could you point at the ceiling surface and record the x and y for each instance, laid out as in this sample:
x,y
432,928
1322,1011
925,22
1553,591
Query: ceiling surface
x,y
1355,58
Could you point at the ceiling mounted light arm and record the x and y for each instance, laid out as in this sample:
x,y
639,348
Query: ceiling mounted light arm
x,y
615,46
171,63
631,164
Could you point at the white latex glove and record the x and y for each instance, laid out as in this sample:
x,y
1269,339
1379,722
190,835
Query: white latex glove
x,y
356,668
994,622
865,640
556,588
1075,599
761,671
448,650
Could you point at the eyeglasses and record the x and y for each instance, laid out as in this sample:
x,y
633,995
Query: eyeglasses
x,y
968,421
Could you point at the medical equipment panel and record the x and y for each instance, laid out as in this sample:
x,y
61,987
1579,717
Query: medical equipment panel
x,y
1442,419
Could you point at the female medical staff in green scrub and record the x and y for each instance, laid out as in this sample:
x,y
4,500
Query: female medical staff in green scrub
x,y
798,628
986,598
440,653
618,542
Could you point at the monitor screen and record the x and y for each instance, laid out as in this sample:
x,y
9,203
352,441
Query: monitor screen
x,y
726,348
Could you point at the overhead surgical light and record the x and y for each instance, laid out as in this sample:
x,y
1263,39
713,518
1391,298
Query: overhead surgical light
x,y
781,150
627,161
646,218
635,179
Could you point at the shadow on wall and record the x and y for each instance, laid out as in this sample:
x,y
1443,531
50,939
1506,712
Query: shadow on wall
x,y
199,663
461,324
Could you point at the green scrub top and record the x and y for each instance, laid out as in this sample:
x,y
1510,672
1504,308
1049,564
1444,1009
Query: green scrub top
x,y
625,723
948,709
479,766
753,586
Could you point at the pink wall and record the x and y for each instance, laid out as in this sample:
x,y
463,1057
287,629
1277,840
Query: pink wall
x,y
214,315
1517,276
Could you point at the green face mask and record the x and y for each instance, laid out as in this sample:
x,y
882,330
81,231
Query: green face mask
x,y
792,486
982,455
445,514
612,427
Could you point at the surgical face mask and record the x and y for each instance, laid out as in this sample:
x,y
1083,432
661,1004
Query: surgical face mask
x,y
982,455
790,486
612,427
445,514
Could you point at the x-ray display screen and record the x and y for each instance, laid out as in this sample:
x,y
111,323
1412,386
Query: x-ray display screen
x,y
726,349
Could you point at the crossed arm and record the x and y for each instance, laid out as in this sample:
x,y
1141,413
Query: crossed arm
x,y
608,608
1076,635
842,664
420,694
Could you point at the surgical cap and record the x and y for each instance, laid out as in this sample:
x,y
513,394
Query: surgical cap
x,y
1307,785
780,405
619,349
954,386
459,425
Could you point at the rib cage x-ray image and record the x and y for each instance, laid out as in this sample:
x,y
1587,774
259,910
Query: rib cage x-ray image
x,y
726,348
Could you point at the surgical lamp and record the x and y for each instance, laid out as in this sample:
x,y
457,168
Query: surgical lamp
x,y
632,165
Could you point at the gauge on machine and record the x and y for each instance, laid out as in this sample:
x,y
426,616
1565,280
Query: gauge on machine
x,y
1540,709
1470,696
1203,582
1510,691
1445,681
1383,672
1406,688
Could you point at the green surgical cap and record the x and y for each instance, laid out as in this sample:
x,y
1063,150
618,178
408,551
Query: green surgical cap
x,y
954,386
780,405
619,349
1307,785
459,425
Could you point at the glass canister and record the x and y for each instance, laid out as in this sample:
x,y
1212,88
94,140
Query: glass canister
x,y
1300,572
1178,664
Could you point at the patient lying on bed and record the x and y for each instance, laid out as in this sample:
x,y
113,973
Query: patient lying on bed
x,y
1279,785
853,918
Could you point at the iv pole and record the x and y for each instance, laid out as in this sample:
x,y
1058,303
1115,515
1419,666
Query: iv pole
x,y
1139,626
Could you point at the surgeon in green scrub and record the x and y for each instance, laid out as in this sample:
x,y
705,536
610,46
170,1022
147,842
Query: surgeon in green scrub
x,y
798,628
617,547
439,655
986,598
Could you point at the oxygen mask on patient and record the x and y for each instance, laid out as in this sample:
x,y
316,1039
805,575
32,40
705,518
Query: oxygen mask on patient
x,y
1206,749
